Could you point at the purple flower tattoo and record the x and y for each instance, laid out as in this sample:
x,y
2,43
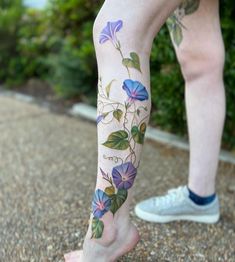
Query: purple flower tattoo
x,y
99,119
124,175
109,33
135,90
101,203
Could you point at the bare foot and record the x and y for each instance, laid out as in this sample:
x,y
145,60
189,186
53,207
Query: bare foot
x,y
123,240
74,256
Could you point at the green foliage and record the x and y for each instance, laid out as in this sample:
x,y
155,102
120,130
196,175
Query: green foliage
x,y
73,67
25,44
56,44
68,74
10,17
228,30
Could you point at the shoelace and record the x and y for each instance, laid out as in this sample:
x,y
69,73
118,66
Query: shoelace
x,y
172,195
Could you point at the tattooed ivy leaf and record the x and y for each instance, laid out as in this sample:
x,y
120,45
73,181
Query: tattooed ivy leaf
x,y
110,190
97,228
138,111
108,87
133,61
117,140
190,6
118,114
137,135
177,34
170,22
118,199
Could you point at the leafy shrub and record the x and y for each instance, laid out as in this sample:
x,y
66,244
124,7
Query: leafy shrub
x,y
73,68
228,30
10,17
69,76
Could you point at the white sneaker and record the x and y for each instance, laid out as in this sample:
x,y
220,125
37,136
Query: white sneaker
x,y
176,205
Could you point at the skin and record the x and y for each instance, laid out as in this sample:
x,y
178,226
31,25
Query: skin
x,y
201,56
204,100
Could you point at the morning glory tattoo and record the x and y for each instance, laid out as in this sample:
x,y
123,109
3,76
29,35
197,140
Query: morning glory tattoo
x,y
132,116
109,33
174,22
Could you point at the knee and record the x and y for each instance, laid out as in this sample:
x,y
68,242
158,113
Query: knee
x,y
196,62
125,30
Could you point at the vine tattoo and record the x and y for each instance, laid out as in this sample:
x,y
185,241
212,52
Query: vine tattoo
x,y
131,115
174,22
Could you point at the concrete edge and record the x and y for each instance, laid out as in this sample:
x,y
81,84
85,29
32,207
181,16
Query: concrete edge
x,y
18,96
23,97
89,113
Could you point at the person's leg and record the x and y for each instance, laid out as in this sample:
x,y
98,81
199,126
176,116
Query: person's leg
x,y
200,51
195,32
123,33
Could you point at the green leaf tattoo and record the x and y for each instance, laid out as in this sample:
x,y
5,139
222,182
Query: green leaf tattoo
x,y
138,134
118,199
190,6
117,140
108,87
177,34
97,228
118,114
133,61
175,26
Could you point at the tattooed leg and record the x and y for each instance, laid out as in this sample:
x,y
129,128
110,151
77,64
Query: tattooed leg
x,y
123,47
201,56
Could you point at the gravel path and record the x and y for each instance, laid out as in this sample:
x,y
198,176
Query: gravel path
x,y
47,177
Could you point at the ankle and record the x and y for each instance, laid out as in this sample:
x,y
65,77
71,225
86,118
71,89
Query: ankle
x,y
109,232
201,200
112,226
203,189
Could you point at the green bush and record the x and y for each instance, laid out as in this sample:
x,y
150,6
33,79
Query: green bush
x,y
10,19
228,30
23,43
73,66
69,75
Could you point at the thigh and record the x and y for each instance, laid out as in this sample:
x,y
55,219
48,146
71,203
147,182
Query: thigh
x,y
195,29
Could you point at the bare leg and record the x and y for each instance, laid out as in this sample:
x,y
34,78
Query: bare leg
x,y
123,35
200,51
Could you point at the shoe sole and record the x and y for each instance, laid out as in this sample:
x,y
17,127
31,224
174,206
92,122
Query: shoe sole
x,y
208,219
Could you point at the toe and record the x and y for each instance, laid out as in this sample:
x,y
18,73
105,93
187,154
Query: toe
x,y
73,256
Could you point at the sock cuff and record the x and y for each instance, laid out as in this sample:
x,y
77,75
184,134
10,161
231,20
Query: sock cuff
x,y
199,200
